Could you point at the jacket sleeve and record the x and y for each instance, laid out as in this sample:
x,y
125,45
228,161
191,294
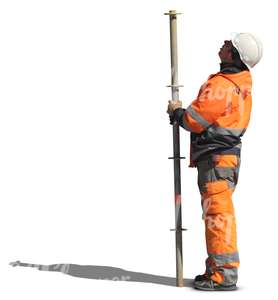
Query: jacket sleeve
x,y
201,113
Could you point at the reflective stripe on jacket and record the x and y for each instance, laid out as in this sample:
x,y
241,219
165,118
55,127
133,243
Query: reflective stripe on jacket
x,y
219,116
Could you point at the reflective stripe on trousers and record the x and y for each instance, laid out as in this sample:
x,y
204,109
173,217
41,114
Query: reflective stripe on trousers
x,y
217,179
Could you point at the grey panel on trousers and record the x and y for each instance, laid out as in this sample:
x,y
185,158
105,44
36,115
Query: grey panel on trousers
x,y
207,172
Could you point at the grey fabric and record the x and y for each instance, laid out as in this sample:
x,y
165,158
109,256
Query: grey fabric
x,y
231,185
219,260
230,275
209,285
197,117
238,132
239,146
207,172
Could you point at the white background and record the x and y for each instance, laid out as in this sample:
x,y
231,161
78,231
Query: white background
x,y
85,138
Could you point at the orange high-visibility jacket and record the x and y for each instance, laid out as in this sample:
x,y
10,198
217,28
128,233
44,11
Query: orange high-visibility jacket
x,y
219,116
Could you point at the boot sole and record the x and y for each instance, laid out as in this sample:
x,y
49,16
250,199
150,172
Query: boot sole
x,y
217,288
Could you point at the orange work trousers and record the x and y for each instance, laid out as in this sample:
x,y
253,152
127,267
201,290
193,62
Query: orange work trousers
x,y
217,179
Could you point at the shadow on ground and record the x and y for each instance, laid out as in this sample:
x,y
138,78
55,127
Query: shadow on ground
x,y
104,273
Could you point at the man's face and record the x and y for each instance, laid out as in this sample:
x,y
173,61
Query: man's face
x,y
225,52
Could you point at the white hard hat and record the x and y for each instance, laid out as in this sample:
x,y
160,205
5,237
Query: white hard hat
x,y
249,47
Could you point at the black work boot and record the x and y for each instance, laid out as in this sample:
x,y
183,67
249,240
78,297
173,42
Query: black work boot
x,y
201,277
204,283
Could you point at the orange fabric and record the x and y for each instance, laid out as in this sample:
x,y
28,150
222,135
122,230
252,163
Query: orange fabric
x,y
221,233
222,161
217,277
194,125
218,198
224,100
219,217
231,265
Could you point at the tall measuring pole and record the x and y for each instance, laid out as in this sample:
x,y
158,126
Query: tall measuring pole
x,y
176,147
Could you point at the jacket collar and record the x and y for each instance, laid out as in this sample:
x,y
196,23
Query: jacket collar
x,y
231,68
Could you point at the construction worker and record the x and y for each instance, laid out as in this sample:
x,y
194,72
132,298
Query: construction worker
x,y
217,120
